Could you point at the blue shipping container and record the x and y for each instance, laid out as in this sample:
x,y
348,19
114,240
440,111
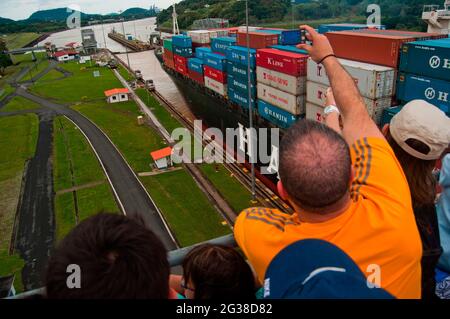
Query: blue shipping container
x,y
196,65
240,71
286,37
201,51
239,55
216,61
275,115
239,98
240,84
182,41
437,92
429,58
389,113
324,28
289,48
221,45
184,52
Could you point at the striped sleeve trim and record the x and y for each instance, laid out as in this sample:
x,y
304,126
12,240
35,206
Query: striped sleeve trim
x,y
363,163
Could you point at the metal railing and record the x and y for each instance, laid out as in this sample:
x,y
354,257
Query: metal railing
x,y
175,257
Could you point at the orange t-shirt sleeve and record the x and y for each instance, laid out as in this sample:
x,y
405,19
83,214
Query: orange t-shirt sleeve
x,y
378,176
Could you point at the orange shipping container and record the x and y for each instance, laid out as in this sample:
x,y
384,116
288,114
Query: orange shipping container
x,y
257,40
377,47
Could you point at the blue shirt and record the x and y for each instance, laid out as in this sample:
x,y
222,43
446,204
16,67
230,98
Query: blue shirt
x,y
443,212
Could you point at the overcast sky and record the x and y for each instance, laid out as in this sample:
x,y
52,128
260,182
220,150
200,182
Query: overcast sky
x,y
22,9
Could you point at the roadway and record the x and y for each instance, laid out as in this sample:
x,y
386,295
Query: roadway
x,y
130,194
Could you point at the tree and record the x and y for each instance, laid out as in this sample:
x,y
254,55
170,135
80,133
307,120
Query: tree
x,y
5,60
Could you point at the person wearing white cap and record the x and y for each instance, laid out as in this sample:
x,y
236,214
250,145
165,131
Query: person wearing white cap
x,y
419,134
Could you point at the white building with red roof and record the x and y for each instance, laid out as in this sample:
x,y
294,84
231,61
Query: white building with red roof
x,y
117,95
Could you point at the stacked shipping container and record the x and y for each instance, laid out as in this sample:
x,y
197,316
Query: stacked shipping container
x,y
237,67
425,73
281,78
375,83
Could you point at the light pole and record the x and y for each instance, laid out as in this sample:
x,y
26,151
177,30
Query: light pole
x,y
103,31
250,110
126,47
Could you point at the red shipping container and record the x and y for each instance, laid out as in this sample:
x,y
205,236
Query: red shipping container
x,y
214,74
257,40
281,61
402,33
197,77
180,64
376,48
168,59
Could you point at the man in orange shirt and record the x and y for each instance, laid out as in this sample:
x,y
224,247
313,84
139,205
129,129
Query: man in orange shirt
x,y
356,197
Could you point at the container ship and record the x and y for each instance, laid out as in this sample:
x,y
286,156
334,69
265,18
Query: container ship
x,y
390,68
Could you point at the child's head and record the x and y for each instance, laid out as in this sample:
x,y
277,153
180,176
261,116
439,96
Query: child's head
x,y
217,272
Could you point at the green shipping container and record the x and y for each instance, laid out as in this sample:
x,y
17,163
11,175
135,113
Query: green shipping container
x,y
168,45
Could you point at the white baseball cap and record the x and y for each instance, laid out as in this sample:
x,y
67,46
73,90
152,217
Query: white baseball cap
x,y
424,122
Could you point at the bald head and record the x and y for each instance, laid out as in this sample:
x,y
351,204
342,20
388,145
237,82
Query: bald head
x,y
315,165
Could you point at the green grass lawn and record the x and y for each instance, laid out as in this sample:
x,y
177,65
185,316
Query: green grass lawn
x,y
18,40
72,152
70,146
82,86
51,76
18,137
166,119
119,122
124,73
187,210
19,103
36,68
229,187
5,91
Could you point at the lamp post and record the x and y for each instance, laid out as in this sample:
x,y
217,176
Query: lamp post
x,y
250,110
126,47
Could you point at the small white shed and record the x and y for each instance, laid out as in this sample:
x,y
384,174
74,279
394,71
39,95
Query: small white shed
x,y
117,95
162,158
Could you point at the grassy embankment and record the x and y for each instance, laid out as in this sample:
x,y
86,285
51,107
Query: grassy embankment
x,y
19,103
77,169
18,40
230,188
18,137
175,193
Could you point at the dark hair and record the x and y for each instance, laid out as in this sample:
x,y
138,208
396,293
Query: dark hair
x,y
118,259
418,172
218,272
315,165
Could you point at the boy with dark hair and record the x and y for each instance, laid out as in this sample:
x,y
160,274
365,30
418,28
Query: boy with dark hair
x,y
117,258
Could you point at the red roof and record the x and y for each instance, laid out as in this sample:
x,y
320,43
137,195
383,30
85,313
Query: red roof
x,y
116,91
70,44
165,152
65,52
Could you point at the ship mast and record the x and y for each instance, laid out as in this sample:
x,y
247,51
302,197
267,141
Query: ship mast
x,y
176,29
438,20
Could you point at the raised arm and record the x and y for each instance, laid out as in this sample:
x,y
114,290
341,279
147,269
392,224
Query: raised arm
x,y
356,120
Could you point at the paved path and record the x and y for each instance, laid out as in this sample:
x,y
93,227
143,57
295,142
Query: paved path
x,y
132,196
36,227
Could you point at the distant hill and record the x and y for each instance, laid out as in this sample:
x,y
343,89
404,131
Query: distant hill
x,y
135,11
59,14
5,20
400,14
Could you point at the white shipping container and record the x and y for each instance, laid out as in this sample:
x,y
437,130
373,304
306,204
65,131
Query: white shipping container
x,y
250,29
288,102
222,33
216,86
373,81
213,34
316,94
284,82
314,112
199,36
